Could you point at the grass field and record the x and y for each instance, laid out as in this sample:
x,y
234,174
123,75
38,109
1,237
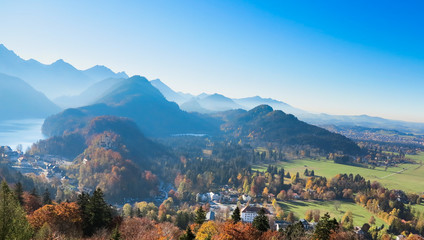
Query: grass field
x,y
360,214
407,177
419,157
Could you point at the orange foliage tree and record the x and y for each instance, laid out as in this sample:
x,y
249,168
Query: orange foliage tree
x,y
64,218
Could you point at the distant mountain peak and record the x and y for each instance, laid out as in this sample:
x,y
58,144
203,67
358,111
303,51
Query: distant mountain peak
x,y
8,53
100,72
62,63
261,109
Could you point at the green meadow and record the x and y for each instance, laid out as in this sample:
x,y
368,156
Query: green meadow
x,y
360,214
407,177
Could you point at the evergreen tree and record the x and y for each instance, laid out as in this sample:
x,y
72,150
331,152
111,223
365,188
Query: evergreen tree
x,y
46,197
96,213
306,173
13,222
116,235
294,231
312,173
19,192
200,216
188,235
83,201
236,215
261,221
34,192
183,219
100,213
325,227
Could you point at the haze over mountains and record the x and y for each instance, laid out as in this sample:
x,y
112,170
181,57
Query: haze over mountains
x,y
70,87
19,100
54,80
195,104
137,99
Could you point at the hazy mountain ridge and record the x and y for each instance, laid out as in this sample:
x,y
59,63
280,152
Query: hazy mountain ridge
x,y
54,80
274,126
137,99
112,153
192,105
19,100
89,96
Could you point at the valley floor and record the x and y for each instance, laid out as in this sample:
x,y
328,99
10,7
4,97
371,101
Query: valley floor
x,y
407,177
360,214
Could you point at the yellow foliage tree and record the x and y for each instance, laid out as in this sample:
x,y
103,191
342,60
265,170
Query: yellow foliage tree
x,y
207,230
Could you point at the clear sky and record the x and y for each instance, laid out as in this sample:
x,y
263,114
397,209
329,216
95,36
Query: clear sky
x,y
337,57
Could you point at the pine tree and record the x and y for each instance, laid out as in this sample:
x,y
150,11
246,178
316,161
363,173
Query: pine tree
x,y
100,213
324,227
46,197
200,216
306,173
188,235
236,215
34,192
116,235
312,173
19,192
96,213
261,221
294,231
13,221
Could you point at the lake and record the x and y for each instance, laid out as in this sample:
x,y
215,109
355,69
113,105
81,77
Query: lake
x,y
25,132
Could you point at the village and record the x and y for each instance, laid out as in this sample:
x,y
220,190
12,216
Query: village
x,y
48,166
223,203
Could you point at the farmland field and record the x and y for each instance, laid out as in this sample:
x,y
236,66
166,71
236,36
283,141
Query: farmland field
x,y
360,214
407,177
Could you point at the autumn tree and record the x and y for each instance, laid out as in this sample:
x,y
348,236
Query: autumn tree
x,y
282,195
372,220
316,215
207,230
64,218
31,202
127,210
347,220
308,215
290,217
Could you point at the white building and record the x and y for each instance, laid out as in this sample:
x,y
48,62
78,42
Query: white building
x,y
250,212
246,197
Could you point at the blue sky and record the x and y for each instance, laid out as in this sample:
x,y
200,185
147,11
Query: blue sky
x,y
323,56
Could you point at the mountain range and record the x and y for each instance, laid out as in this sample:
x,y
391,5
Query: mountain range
x,y
70,87
264,124
194,104
137,99
19,100
57,79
